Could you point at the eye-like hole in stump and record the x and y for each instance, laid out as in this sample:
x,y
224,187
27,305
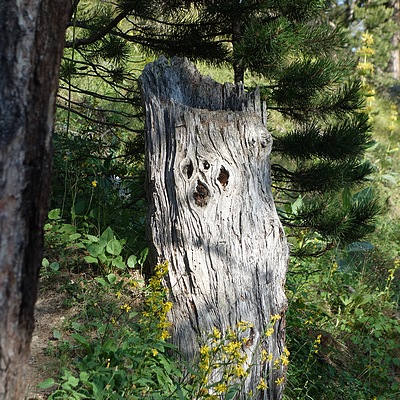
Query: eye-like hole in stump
x,y
187,168
201,194
223,177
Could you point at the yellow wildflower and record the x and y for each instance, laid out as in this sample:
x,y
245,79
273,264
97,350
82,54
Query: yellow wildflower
x,y
286,351
165,335
269,332
232,347
280,381
264,354
284,359
368,39
94,183
262,385
167,306
126,307
365,67
239,371
204,350
243,325
216,333
275,318
221,388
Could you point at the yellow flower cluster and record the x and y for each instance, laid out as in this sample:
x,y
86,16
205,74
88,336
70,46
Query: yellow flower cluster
x,y
365,67
222,355
244,325
368,39
126,307
317,343
265,356
262,385
280,381
156,305
221,388
270,329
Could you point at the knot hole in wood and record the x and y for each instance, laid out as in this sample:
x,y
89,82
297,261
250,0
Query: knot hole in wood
x,y
187,168
223,177
201,194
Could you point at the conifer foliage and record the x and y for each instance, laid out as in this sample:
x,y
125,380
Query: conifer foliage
x,y
297,57
299,61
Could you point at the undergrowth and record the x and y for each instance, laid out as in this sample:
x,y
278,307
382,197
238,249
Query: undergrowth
x,y
342,322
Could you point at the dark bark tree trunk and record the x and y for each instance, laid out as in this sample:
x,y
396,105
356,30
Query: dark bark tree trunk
x,y
212,215
31,44
238,68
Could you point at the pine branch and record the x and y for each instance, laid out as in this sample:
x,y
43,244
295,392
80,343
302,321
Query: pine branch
x,y
99,34
97,121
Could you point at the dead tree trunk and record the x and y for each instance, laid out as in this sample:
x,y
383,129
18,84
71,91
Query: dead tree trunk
x,y
31,44
212,215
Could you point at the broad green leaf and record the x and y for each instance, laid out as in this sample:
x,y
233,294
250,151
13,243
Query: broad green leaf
x,y
83,341
76,326
111,278
143,255
68,229
54,266
93,239
48,383
95,249
54,214
106,236
132,261
102,281
45,263
91,260
114,247
232,392
74,236
84,376
118,262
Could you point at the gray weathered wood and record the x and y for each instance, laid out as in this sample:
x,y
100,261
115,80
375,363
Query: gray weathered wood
x,y
212,214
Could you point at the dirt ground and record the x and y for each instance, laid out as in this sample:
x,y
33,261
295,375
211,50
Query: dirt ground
x,y
50,313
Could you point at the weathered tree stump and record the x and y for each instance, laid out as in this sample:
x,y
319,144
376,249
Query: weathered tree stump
x,y
212,215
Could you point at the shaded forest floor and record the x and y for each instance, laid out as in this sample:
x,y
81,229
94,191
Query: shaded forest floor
x,y
50,313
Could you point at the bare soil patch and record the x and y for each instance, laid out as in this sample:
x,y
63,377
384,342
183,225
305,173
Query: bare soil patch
x,y
50,313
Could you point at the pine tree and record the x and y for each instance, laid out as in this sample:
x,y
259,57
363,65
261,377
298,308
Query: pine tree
x,y
305,76
299,61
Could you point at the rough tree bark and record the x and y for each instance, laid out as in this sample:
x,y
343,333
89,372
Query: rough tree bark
x,y
31,44
212,215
